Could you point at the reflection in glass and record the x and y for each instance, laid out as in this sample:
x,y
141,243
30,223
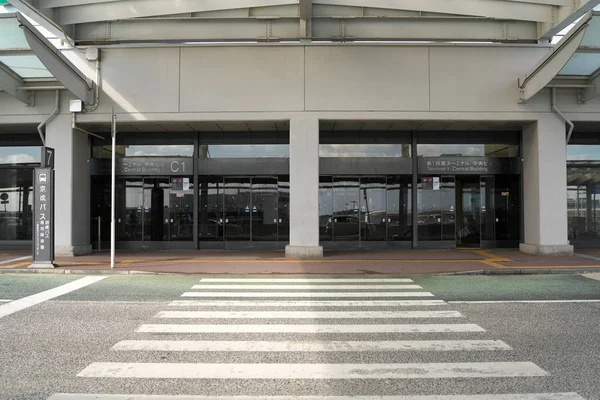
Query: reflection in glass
x,y
284,209
468,211
244,151
264,209
325,208
507,205
156,212
399,208
364,150
13,155
579,152
181,208
373,208
131,210
466,150
237,208
211,208
488,208
175,150
16,203
435,198
346,222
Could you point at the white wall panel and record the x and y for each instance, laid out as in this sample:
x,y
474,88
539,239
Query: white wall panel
x,y
382,78
141,80
242,79
478,78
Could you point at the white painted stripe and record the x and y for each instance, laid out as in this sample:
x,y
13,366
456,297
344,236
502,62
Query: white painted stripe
x,y
307,294
333,346
307,314
529,396
523,301
313,328
307,303
4,300
306,287
15,259
311,371
26,302
307,280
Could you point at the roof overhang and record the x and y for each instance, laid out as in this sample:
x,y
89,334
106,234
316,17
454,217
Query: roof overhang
x,y
573,62
41,54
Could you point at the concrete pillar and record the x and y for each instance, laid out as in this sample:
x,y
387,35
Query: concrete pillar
x,y
304,188
545,187
72,187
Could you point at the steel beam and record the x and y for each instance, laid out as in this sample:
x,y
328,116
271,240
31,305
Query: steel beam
x,y
478,8
567,15
553,62
323,28
58,65
126,9
11,82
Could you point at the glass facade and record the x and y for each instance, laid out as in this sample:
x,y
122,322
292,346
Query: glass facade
x,y
237,195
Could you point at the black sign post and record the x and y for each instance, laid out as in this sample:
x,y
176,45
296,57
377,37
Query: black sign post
x,y
47,157
43,218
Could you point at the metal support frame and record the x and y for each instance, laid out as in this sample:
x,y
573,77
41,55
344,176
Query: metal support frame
x,y
57,63
50,117
414,194
113,225
562,116
553,62
11,84
75,127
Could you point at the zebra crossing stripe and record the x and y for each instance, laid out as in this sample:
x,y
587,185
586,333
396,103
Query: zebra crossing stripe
x,y
306,280
322,346
529,396
307,294
268,328
307,303
306,287
311,371
307,314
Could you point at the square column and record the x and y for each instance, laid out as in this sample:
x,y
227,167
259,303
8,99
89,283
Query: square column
x,y
72,187
545,187
304,188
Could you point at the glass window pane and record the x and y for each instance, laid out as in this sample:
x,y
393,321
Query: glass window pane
x,y
244,151
399,208
237,208
26,66
578,152
181,210
264,209
16,202
325,208
465,150
13,155
130,204
176,150
11,36
364,150
346,209
373,208
211,208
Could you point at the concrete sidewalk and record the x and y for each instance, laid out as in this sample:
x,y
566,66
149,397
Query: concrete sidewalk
x,y
349,262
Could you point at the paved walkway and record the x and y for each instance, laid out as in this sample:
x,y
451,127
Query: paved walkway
x,y
350,262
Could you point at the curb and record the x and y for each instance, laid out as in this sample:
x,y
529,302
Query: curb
x,y
516,271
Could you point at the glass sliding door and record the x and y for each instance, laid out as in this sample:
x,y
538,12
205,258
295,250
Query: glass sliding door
x,y
325,209
346,223
210,208
373,209
237,208
399,208
283,233
156,212
131,204
488,212
265,213
181,208
436,211
468,211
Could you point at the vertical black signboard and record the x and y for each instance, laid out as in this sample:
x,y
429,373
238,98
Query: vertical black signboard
x,y
43,217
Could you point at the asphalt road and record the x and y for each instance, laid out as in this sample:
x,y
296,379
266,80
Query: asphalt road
x,y
371,344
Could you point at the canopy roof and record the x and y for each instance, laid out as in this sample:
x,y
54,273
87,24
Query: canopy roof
x,y
134,21
27,55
